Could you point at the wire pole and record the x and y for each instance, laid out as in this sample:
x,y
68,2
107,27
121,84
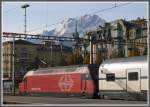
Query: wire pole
x,y
13,67
25,21
91,50
51,53
61,47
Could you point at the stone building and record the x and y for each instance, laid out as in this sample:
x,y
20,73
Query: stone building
x,y
130,35
118,33
138,32
113,35
31,56
53,54
104,33
24,56
121,38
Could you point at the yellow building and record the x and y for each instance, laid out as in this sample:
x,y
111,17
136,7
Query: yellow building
x,y
25,53
138,37
29,56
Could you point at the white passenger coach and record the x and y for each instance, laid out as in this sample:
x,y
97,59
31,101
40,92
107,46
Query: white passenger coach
x,y
124,78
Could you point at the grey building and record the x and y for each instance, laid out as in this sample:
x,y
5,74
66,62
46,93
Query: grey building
x,y
119,38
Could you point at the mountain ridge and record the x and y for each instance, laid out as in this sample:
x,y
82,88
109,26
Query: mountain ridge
x,y
84,24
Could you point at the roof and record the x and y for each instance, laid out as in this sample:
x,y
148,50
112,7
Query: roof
x,y
128,59
60,67
55,48
63,69
24,42
59,70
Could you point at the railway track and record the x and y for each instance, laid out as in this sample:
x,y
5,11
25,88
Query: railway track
x,y
55,100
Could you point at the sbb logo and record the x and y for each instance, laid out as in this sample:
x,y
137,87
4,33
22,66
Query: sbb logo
x,y
65,83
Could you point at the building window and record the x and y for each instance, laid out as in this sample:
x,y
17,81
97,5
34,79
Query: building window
x,y
139,41
16,48
24,55
23,49
110,77
133,76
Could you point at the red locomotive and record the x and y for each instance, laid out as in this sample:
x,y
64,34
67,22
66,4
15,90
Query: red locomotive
x,y
62,81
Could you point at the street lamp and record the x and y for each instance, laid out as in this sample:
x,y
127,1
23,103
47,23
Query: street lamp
x,y
25,21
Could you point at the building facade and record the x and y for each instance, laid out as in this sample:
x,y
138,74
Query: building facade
x,y
28,55
121,38
52,54
24,56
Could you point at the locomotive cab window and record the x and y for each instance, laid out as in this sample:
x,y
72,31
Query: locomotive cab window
x,y
110,77
133,76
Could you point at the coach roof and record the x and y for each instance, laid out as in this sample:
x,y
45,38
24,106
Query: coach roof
x,y
128,59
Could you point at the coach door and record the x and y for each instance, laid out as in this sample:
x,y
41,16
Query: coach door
x,y
133,80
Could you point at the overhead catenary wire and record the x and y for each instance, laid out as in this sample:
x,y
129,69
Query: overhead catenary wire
x,y
44,37
39,28
106,9
46,16
89,14
102,10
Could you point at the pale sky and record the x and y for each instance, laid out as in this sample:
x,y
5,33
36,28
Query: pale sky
x,y
41,13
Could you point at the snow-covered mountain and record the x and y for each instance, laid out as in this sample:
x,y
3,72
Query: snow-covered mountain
x,y
68,26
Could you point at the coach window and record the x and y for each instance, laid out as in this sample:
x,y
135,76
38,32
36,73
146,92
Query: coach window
x,y
110,77
133,76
